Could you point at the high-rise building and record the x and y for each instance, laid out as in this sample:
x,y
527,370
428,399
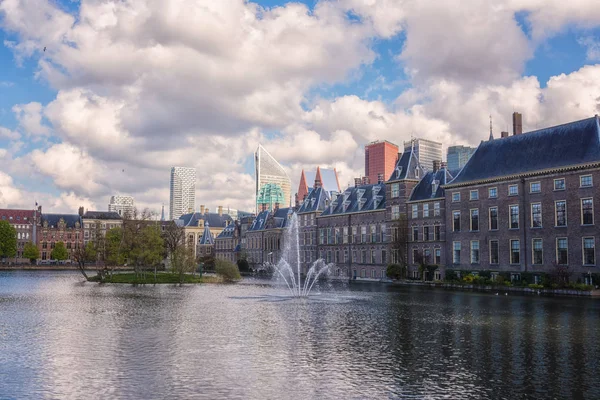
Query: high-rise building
x,y
426,151
122,205
268,170
380,158
183,191
458,156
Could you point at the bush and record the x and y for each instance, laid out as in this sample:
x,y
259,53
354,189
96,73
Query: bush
x,y
227,270
470,278
395,271
451,275
534,286
243,265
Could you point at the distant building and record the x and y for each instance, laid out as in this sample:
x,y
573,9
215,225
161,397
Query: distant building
x,y
270,196
183,191
26,223
98,222
268,170
458,156
327,179
380,158
66,228
426,151
122,205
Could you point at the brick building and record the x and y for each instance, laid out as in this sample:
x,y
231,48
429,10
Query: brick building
x,y
26,223
264,238
206,243
66,228
380,158
98,222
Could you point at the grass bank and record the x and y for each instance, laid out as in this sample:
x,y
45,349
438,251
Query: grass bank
x,y
161,278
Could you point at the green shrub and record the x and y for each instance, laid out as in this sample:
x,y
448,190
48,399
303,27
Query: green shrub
x,y
468,278
395,271
227,270
451,275
535,286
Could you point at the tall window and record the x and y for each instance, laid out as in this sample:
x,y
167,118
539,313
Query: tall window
x,y
415,256
395,212
425,233
562,251
383,257
513,190
345,234
322,236
585,181
559,184
456,221
515,252
475,220
415,233
383,233
363,234
494,252
338,237
425,210
395,190
373,233
474,195
560,208
538,251
438,256
437,232
535,187
493,193
436,209
514,217
587,211
456,253
536,215
364,256
373,257
493,218
589,251
427,256
415,211
475,252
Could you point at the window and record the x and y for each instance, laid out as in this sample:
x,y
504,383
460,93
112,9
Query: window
x,y
456,197
415,256
395,190
374,234
456,221
437,232
438,257
474,195
589,251
363,234
475,252
513,190
456,253
514,217
395,212
427,256
425,233
538,251
415,211
493,218
415,234
436,209
338,237
535,187
425,210
364,257
515,252
383,257
562,252
559,184
474,220
372,273
494,252
345,234
587,211
560,208
383,233
493,193
536,215
372,256
585,181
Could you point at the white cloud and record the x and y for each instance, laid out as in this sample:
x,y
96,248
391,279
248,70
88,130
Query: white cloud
x,y
30,119
593,47
6,133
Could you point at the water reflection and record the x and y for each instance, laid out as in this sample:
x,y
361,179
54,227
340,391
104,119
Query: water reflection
x,y
63,339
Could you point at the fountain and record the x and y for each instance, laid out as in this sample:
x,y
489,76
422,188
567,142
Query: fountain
x,y
288,268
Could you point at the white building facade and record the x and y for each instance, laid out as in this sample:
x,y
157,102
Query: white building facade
x,y
122,205
268,170
427,151
183,191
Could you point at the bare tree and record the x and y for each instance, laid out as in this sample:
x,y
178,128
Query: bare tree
x,y
174,238
399,241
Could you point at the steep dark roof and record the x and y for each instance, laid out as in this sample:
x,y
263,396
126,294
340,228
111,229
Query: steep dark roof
x,y
101,215
316,200
356,199
53,219
207,237
228,232
424,189
279,219
558,146
213,219
407,167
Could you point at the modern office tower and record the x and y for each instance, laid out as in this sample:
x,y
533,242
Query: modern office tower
x,y
268,170
427,151
458,156
380,158
183,191
121,204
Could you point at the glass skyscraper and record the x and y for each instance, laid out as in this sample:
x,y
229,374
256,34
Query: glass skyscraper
x,y
427,151
268,170
458,156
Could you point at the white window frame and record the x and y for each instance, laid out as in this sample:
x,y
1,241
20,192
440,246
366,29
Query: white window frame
x,y
513,186
474,194
490,218
510,217
456,197
453,250
541,215
415,211
583,250
395,190
471,220
531,187
556,247
510,251
490,252
564,184
425,210
533,251
556,214
478,252
436,209
586,176
581,210
459,221
490,192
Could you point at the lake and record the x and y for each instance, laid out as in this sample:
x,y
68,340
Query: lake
x,y
63,338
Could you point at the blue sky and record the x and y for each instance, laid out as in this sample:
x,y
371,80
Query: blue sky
x,y
326,78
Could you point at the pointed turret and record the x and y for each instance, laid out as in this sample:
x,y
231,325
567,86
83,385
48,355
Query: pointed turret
x,y
303,187
318,178
207,237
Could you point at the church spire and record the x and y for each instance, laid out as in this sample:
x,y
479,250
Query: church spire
x,y
491,134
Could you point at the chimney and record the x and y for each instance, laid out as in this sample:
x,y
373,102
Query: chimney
x,y
503,134
365,180
379,178
201,223
357,182
436,165
202,209
220,210
81,211
517,123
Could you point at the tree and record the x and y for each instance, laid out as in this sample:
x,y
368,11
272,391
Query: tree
x,y
83,254
399,241
183,261
8,240
31,252
227,270
395,271
174,238
60,252
142,244
208,262
113,240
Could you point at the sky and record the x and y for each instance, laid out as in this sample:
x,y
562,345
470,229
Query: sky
x,y
125,89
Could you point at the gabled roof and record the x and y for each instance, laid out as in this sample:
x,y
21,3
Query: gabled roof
x,y
207,237
213,219
317,200
101,215
228,232
430,186
407,167
279,219
558,146
356,199
53,219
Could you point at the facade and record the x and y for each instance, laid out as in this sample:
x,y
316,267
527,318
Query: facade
x,y
26,223
183,191
98,222
122,205
525,203
66,228
380,158
268,170
264,237
193,225
312,206
426,151
457,156
206,244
